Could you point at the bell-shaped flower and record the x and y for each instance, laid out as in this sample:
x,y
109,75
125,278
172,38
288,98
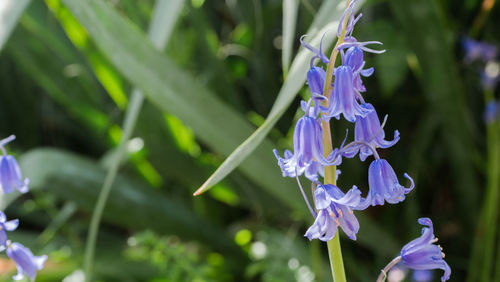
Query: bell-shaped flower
x,y
316,80
423,254
343,99
370,131
6,226
26,263
384,185
10,173
354,58
307,147
334,209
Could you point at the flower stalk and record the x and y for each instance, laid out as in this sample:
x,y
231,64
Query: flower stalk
x,y
334,249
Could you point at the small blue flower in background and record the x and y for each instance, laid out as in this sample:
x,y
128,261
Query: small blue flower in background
x,y
26,263
422,276
475,50
384,185
6,226
10,174
354,58
491,112
422,254
334,209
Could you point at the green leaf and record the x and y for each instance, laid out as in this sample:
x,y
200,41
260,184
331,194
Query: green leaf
x,y
176,92
326,20
10,12
290,9
132,205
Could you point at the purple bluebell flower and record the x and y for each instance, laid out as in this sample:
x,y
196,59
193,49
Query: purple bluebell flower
x,y
26,263
10,174
6,226
354,58
422,275
343,99
491,112
475,50
334,209
422,254
307,147
384,185
370,131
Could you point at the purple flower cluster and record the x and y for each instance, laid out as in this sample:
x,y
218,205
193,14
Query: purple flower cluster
x,y
334,208
487,54
10,180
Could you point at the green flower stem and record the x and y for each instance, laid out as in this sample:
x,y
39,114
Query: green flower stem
x,y
492,190
334,250
129,124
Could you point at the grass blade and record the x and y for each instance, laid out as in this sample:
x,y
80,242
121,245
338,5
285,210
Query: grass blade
x,y
10,12
290,9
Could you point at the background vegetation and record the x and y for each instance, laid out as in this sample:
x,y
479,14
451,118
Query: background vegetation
x,y
67,73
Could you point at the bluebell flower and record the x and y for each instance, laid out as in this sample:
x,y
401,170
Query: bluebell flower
x,y
370,131
26,263
422,254
422,275
6,226
307,154
491,112
384,185
475,50
343,99
10,173
354,58
334,209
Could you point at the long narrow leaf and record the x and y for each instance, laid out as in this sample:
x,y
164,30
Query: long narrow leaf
x,y
290,8
10,12
326,20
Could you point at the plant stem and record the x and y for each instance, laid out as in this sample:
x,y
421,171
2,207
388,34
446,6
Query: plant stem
x,y
383,273
491,198
129,124
334,250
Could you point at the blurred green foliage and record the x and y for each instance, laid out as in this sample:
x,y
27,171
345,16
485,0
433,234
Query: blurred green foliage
x,y
67,71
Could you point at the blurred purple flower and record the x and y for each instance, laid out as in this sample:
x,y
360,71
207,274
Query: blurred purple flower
x,y
26,263
384,185
478,50
422,254
491,112
6,226
422,275
334,209
10,173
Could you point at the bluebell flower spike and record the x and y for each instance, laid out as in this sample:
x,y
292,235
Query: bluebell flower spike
x,y
10,173
5,225
334,210
27,264
423,254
